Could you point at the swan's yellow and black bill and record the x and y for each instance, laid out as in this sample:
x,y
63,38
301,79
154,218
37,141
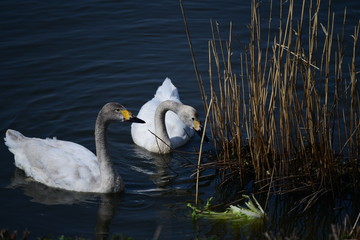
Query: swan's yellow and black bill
x,y
199,130
128,116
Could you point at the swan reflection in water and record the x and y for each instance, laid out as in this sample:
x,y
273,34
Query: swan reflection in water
x,y
169,173
156,168
43,194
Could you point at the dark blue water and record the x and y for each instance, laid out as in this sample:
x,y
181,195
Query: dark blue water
x,y
61,61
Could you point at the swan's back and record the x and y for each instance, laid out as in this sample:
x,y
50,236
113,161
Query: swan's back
x,y
141,134
53,162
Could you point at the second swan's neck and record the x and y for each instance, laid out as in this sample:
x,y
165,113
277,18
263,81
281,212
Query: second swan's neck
x,y
162,136
109,179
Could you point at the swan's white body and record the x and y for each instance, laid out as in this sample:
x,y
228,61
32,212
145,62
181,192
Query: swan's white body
x,y
55,163
154,135
67,165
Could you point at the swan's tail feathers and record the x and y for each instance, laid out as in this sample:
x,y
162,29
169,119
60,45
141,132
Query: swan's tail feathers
x,y
167,91
13,138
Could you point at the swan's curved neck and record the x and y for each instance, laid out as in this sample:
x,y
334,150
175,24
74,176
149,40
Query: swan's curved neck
x,y
161,133
108,175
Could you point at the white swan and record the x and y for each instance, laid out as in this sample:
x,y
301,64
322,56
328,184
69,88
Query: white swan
x,y
169,123
67,165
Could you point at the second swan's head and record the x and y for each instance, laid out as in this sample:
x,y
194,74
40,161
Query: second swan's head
x,y
113,111
190,117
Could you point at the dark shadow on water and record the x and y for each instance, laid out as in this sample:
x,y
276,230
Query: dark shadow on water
x,y
161,173
287,214
43,194
107,211
165,172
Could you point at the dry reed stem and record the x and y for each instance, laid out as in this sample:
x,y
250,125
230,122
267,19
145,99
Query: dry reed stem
x,y
292,110
198,76
200,154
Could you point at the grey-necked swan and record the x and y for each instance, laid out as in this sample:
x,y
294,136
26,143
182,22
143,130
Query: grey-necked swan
x,y
169,123
70,166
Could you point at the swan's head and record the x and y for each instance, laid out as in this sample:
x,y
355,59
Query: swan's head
x,y
116,112
190,117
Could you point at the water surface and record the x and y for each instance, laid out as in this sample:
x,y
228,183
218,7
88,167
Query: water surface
x,y
60,62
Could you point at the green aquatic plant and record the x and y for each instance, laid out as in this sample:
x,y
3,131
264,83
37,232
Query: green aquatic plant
x,y
252,212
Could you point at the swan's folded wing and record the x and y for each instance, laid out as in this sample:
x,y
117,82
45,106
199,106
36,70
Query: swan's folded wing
x,y
59,163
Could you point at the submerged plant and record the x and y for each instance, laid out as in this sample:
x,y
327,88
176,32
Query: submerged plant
x,y
253,211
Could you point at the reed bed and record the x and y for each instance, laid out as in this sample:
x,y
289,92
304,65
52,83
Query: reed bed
x,y
288,116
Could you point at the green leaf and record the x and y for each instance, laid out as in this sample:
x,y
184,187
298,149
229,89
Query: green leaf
x,y
251,213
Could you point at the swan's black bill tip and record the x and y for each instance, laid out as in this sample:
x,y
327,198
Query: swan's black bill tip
x,y
136,120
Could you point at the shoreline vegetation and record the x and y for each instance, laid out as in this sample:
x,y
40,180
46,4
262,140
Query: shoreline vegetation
x,y
284,112
278,122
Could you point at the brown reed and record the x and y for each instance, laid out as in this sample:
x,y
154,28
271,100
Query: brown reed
x,y
290,117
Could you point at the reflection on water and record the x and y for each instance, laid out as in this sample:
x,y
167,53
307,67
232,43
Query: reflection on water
x,y
43,194
157,166
106,212
158,169
40,193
